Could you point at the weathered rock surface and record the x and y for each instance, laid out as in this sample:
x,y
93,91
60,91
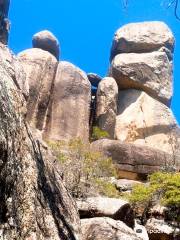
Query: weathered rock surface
x,y
106,106
15,69
34,204
117,209
106,229
134,161
150,72
141,231
46,41
125,184
142,37
4,22
40,68
143,120
69,108
159,229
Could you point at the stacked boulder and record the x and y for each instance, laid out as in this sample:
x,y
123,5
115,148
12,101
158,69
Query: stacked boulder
x,y
59,92
141,68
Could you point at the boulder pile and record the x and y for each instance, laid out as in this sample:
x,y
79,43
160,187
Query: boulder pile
x,y
133,103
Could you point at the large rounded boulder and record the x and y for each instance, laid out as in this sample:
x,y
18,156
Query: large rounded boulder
x,y
142,37
46,41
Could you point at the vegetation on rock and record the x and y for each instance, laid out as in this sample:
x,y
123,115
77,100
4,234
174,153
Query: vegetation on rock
x,y
164,188
84,171
98,134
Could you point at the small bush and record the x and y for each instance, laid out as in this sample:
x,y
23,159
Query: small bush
x,y
81,168
163,187
99,134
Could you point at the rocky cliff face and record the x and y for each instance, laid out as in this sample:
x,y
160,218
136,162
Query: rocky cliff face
x,y
34,203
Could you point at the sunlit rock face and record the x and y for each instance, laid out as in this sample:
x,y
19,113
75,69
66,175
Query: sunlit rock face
x,y
69,107
141,64
59,96
142,37
106,106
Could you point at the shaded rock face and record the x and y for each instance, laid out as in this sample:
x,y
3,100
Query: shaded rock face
x,y
116,209
134,161
45,40
106,106
107,229
151,72
59,98
142,37
143,120
34,204
70,105
94,79
4,22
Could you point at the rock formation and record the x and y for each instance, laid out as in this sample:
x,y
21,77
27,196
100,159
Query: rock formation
x,y
59,96
46,41
106,228
142,119
34,204
142,37
40,68
141,64
106,110
70,104
135,161
116,209
42,98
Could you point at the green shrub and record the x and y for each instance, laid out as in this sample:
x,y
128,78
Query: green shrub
x,y
107,188
163,187
81,168
99,134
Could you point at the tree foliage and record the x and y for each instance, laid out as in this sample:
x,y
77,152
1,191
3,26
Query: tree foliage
x,y
84,171
163,188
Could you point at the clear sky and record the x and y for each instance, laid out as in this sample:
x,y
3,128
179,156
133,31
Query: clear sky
x,y
85,29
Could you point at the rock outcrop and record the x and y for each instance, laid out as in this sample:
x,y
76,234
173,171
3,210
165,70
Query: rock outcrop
x,y
107,229
142,37
34,203
143,120
106,111
46,41
69,107
141,65
159,229
134,161
59,98
116,209
150,72
40,68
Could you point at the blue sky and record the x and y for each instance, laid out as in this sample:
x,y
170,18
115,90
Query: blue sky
x,y
85,29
